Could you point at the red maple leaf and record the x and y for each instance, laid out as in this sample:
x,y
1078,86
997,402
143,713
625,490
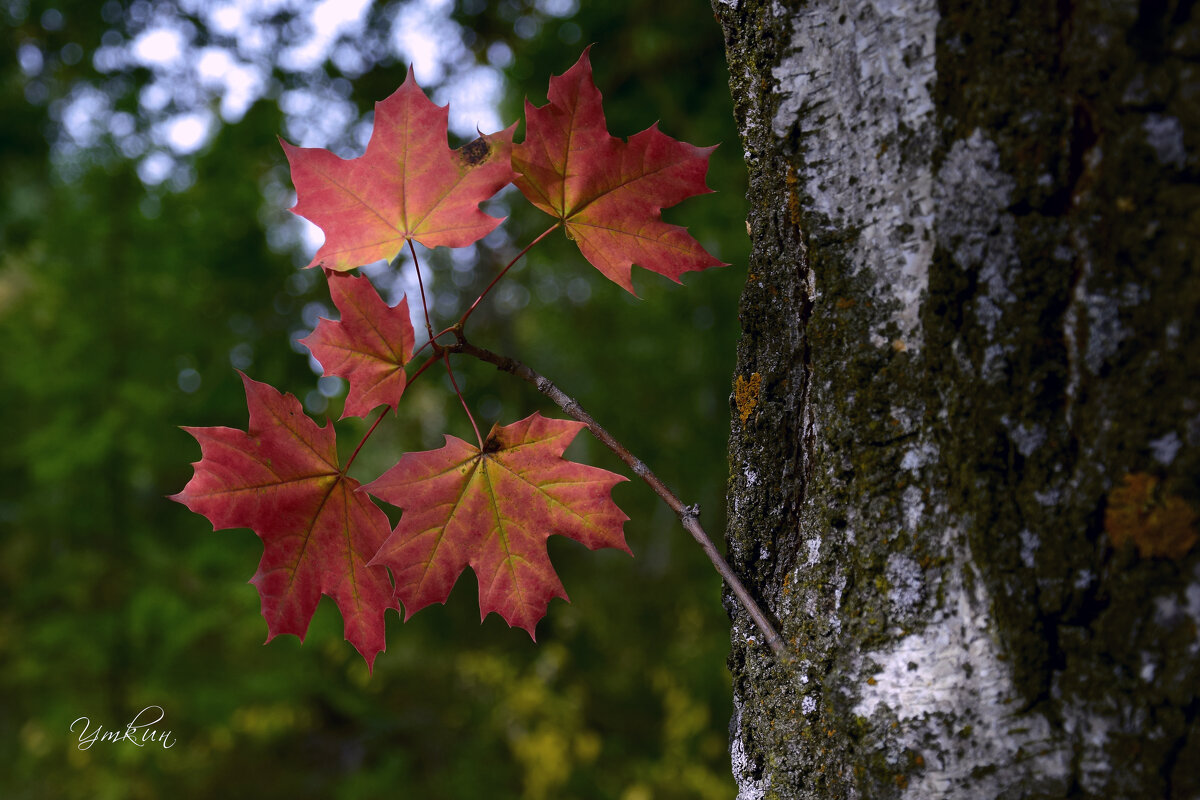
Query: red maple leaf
x,y
609,193
407,185
281,479
369,346
493,510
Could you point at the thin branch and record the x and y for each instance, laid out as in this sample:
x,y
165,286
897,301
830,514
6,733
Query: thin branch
x,y
688,515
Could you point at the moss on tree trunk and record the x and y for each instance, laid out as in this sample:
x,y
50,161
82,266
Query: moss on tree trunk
x,y
966,417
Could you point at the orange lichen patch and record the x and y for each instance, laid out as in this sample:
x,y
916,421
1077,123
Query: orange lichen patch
x,y
1160,525
793,198
845,302
745,395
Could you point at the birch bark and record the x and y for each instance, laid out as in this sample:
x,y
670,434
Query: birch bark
x,y
965,456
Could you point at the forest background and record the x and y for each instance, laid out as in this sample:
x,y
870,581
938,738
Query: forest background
x,y
146,252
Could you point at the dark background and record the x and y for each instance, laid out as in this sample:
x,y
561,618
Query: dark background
x,y
132,284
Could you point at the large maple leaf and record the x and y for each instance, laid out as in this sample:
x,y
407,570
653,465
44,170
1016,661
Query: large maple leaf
x,y
493,510
281,479
368,346
609,193
407,185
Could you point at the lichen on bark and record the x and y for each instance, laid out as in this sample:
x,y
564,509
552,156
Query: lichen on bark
x,y
970,321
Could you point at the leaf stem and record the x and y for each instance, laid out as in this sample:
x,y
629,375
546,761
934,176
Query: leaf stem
x,y
688,515
421,286
363,440
408,382
433,359
432,342
463,400
462,320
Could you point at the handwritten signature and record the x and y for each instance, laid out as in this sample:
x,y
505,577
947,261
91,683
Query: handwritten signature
x,y
138,731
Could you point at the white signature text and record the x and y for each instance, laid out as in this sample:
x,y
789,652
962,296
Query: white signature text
x,y
139,731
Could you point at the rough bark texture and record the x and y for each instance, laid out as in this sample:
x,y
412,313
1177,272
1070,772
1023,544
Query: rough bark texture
x,y
965,458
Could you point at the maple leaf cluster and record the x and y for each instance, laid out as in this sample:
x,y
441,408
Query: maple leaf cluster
x,y
489,506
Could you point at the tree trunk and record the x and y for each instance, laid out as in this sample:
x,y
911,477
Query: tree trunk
x,y
965,457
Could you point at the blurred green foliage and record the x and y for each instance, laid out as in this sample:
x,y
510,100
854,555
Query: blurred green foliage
x,y
123,310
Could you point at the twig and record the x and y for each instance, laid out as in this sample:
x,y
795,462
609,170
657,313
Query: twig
x,y
688,515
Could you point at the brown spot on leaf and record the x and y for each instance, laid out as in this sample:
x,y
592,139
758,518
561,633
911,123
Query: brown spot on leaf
x,y
492,443
475,152
1159,524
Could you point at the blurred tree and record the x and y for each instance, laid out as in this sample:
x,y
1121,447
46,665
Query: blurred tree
x,y
145,254
965,463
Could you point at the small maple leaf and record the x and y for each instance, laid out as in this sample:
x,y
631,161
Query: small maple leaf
x,y
407,185
281,479
493,510
609,193
369,346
